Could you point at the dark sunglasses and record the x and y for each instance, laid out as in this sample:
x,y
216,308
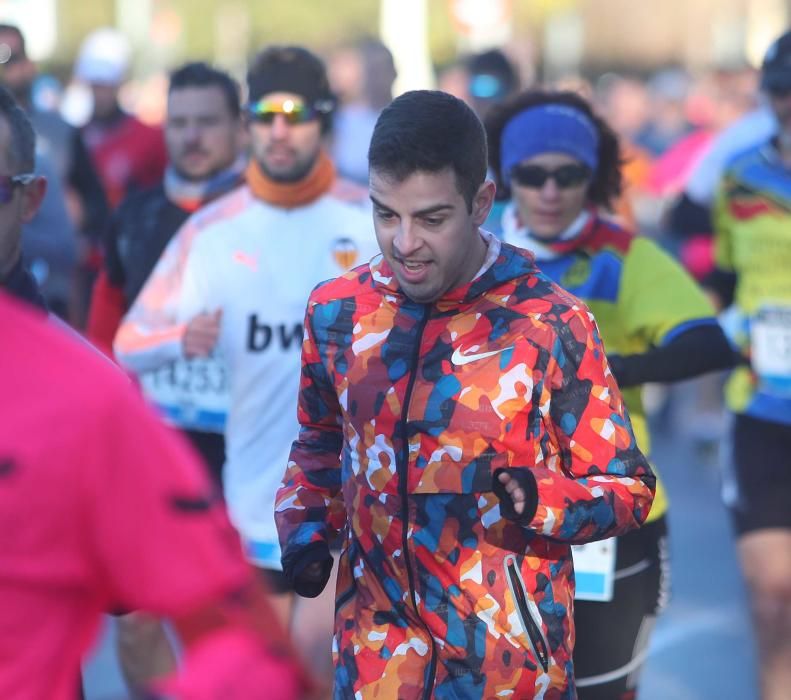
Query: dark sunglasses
x,y
265,111
536,176
9,182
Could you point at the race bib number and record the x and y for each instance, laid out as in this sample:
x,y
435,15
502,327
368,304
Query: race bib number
x,y
770,349
190,393
594,570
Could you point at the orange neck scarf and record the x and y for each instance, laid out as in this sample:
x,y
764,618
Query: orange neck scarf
x,y
292,194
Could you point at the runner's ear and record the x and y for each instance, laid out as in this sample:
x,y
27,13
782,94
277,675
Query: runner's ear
x,y
482,202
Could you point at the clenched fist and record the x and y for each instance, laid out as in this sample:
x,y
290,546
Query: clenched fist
x,y
202,334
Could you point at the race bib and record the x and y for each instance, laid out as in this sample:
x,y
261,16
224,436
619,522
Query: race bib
x,y
594,569
770,349
191,394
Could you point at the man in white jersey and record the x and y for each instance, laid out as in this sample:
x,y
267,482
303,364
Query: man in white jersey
x,y
233,284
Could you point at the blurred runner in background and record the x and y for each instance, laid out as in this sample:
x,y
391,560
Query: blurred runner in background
x,y
231,289
752,223
128,154
362,76
561,165
204,136
75,201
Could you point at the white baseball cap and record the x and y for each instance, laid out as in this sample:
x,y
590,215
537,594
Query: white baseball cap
x,y
104,57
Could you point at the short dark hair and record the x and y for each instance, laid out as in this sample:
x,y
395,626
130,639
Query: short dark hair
x,y
606,183
429,131
16,31
201,75
22,142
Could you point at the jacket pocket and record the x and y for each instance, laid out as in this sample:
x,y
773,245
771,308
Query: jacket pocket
x,y
532,628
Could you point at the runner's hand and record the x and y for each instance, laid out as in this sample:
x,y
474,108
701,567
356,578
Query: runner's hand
x,y
201,334
515,491
313,571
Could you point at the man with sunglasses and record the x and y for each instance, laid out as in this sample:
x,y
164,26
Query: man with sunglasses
x,y
752,225
21,194
233,284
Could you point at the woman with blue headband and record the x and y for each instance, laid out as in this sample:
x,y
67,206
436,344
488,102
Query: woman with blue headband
x,y
561,163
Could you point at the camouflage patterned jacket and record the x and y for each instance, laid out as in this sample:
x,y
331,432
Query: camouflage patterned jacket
x,y
406,410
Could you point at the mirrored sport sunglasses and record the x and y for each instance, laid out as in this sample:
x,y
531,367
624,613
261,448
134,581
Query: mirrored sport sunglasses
x,y
536,176
9,182
265,111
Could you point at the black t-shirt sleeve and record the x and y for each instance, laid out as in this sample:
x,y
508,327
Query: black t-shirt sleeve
x,y
696,351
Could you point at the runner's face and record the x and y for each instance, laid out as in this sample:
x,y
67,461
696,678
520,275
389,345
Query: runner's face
x,y
550,209
426,233
202,136
105,99
285,152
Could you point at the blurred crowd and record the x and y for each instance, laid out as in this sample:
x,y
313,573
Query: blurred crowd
x,y
100,139
102,135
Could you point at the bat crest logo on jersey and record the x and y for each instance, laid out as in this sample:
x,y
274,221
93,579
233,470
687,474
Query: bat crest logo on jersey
x,y
345,252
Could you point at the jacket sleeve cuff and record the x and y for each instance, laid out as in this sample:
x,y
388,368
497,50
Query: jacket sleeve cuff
x,y
527,481
306,585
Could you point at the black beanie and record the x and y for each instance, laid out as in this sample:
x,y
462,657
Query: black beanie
x,y
289,69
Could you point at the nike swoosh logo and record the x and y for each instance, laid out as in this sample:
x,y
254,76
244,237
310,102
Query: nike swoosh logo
x,y
460,358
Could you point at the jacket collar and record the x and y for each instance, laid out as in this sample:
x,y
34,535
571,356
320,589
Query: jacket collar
x,y
510,263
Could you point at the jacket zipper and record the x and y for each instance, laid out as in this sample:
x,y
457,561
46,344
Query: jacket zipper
x,y
403,489
519,592
345,597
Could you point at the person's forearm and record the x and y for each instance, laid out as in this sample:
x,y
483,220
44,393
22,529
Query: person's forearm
x,y
694,352
141,350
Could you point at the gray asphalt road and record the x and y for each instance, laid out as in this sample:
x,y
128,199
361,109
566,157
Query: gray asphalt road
x,y
702,648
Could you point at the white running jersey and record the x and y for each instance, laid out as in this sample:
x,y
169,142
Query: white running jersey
x,y
258,263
